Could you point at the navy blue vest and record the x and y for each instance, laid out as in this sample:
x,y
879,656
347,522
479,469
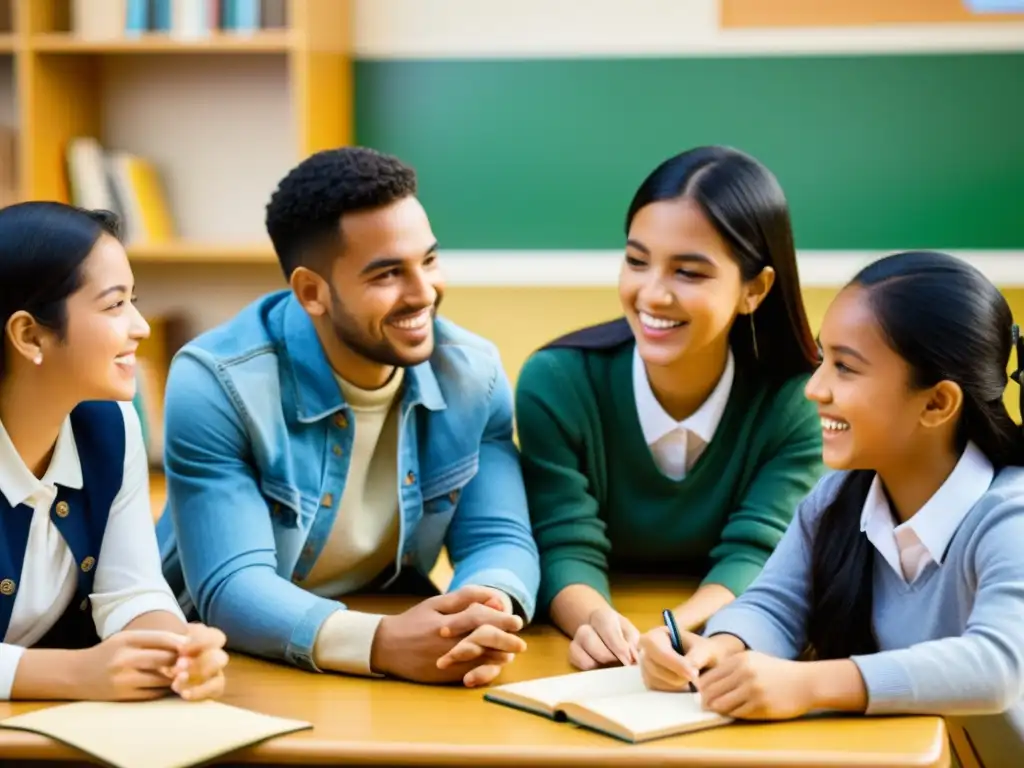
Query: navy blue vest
x,y
80,516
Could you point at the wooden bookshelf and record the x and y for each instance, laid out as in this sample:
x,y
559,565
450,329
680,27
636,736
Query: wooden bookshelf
x,y
269,41
187,252
233,111
7,38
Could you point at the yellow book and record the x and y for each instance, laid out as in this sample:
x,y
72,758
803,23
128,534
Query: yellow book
x,y
612,701
140,192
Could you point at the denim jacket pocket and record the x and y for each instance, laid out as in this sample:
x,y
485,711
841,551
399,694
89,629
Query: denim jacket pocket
x,y
283,502
442,489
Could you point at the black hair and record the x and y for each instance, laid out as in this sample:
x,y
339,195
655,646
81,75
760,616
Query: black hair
x,y
949,323
303,217
745,204
42,248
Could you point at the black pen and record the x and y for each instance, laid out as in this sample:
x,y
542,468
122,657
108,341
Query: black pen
x,y
673,634
673,631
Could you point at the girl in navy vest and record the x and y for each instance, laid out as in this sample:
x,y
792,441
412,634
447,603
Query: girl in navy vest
x,y
84,610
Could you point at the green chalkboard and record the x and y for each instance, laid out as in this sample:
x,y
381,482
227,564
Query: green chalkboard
x,y
873,151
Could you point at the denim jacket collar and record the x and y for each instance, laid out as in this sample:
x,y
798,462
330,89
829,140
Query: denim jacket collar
x,y
315,392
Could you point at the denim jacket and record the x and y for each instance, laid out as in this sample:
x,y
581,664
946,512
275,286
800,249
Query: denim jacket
x,y
252,413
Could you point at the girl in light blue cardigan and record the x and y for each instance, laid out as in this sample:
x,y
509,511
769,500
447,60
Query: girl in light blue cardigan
x,y
901,578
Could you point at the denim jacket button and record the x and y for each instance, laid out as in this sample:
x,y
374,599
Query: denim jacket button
x,y
410,479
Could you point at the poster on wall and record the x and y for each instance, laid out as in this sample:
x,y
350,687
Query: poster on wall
x,y
780,14
994,6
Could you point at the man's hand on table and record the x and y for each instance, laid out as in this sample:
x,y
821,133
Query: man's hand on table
x,y
466,635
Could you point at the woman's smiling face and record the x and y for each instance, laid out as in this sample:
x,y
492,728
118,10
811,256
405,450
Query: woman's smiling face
x,y
679,286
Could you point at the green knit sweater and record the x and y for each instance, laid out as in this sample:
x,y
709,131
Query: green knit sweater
x,y
598,502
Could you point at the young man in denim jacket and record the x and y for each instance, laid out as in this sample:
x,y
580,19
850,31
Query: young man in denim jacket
x,y
334,436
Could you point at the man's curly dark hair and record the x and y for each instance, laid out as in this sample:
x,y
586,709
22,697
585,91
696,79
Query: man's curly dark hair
x,y
303,217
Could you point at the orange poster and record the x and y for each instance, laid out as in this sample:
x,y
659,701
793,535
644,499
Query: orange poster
x,y
858,13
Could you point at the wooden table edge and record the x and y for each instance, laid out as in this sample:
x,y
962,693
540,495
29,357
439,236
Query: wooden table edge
x,y
26,745
311,751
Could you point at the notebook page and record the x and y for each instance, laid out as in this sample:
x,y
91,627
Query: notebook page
x,y
165,733
580,686
653,711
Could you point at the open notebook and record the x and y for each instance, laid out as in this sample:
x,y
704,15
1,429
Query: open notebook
x,y
613,701
165,733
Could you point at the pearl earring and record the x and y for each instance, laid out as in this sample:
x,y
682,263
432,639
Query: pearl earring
x,y
38,359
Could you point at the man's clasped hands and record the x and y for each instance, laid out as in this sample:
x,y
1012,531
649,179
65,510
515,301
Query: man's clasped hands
x,y
468,634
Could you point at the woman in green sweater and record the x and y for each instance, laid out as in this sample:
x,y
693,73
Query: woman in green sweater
x,y
676,439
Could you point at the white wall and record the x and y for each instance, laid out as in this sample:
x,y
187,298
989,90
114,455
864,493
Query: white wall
x,y
219,128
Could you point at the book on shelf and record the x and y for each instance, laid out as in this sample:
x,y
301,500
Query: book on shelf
x,y
100,20
8,166
122,182
612,701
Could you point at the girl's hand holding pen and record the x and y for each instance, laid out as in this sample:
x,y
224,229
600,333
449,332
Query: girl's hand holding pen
x,y
676,666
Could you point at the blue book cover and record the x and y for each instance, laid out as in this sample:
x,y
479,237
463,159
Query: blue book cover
x,y
247,15
228,14
161,19
136,18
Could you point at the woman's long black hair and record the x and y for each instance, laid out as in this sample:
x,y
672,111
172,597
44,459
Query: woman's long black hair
x,y
949,323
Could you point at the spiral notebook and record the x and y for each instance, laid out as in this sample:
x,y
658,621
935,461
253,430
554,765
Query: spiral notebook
x,y
165,733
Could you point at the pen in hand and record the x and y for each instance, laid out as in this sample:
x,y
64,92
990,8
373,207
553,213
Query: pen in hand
x,y
673,633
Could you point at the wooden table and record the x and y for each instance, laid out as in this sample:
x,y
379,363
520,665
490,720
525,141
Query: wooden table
x,y
384,722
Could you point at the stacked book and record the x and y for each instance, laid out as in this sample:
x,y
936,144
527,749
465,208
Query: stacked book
x,y
127,184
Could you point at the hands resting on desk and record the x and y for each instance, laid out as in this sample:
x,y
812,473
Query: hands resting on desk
x,y
467,635
130,665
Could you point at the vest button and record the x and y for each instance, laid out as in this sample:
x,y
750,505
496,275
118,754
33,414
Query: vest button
x,y
62,509
8,587
88,563
84,605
